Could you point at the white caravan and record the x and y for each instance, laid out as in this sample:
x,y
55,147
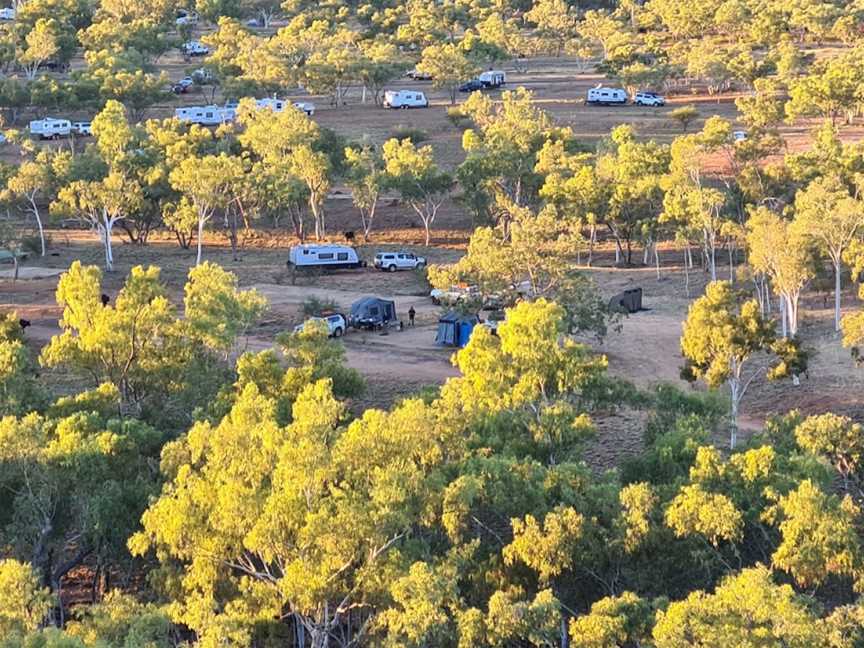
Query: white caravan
x,y
206,115
49,128
7,13
276,105
324,256
605,96
405,99
493,78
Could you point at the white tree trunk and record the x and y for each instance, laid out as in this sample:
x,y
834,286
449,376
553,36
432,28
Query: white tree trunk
x,y
38,218
109,251
735,400
201,222
783,315
106,243
836,296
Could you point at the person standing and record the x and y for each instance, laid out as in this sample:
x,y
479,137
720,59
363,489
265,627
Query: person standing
x,y
411,314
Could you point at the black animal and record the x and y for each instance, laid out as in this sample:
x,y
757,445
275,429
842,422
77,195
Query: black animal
x,y
23,323
105,299
349,236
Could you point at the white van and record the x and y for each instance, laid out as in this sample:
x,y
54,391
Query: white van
x,y
84,129
604,96
405,99
206,115
493,78
324,256
8,13
49,128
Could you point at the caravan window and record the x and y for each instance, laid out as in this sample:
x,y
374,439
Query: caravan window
x,y
305,251
373,310
342,256
325,255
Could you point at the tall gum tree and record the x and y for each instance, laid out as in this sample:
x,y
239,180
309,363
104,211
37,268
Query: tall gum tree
x,y
721,338
828,215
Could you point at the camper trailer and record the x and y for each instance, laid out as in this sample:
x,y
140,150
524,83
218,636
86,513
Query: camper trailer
x,y
205,115
405,99
372,312
601,96
493,78
49,128
323,256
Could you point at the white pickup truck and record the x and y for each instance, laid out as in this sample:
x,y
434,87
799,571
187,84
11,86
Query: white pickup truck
x,y
336,324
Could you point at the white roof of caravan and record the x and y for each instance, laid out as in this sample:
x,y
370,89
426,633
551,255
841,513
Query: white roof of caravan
x,y
319,247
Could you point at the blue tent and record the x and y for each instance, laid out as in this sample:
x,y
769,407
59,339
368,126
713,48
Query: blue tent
x,y
454,329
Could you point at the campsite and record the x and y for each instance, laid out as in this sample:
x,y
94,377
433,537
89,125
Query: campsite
x,y
467,323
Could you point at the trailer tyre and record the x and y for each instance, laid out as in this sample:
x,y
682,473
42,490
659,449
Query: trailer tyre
x,y
338,332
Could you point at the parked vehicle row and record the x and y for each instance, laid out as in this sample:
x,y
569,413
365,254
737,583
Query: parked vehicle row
x,y
215,115
52,128
602,96
490,79
314,255
368,313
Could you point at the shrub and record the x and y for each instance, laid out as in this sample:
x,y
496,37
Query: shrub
x,y
416,135
314,306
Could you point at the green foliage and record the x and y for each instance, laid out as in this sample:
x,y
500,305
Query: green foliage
x,y
314,306
747,609
820,537
216,312
121,620
410,133
413,173
24,603
161,365
721,336
613,621
684,115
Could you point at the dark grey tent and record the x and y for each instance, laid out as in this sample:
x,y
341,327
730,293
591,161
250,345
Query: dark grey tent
x,y
454,329
372,312
629,301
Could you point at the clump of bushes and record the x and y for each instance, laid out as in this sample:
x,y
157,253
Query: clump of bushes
x,y
416,135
